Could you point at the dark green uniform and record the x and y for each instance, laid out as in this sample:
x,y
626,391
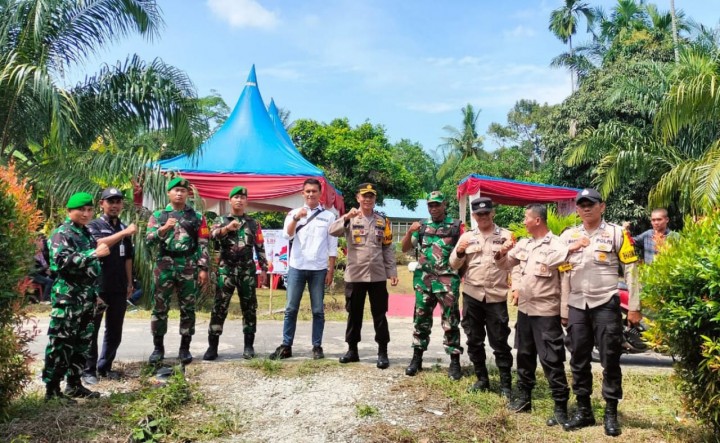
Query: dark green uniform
x,y
181,254
72,257
237,270
435,281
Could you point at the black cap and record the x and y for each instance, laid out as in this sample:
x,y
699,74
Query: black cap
x,y
590,195
367,188
481,205
111,193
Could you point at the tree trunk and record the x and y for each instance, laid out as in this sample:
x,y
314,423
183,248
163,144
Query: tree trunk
x,y
673,16
572,72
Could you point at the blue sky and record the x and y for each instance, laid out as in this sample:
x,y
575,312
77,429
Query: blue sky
x,y
408,65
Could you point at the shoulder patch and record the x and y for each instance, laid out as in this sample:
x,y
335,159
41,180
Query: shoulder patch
x,y
627,250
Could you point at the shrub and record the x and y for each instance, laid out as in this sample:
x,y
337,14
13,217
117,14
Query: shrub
x,y
681,293
20,220
556,223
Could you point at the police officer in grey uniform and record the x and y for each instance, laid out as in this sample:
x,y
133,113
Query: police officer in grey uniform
x,y
370,262
538,331
597,250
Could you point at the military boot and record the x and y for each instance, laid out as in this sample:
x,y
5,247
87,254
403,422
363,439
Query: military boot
x,y
212,350
382,361
184,354
454,371
610,420
523,402
483,379
249,350
158,354
75,389
351,355
416,363
583,416
560,415
53,392
505,383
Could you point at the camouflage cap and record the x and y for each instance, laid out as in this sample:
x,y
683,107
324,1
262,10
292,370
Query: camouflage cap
x,y
79,200
178,182
436,197
242,190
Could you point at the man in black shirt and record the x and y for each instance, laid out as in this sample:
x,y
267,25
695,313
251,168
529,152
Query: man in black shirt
x,y
115,284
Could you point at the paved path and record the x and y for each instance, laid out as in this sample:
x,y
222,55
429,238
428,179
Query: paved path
x,y
137,343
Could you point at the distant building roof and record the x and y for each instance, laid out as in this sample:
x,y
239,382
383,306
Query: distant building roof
x,y
394,209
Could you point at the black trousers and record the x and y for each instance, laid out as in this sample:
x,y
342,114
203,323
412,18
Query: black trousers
x,y
355,305
114,312
602,327
542,337
479,316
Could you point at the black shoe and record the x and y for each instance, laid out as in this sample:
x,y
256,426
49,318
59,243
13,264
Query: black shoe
x,y
454,371
110,375
281,352
383,362
560,415
212,350
184,354
482,384
318,353
610,420
523,403
158,353
249,350
80,391
583,416
506,383
89,379
351,356
415,364
53,393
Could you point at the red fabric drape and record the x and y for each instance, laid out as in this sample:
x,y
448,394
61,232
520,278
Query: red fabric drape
x,y
512,192
260,187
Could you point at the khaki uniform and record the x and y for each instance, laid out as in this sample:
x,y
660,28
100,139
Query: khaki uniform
x,y
538,331
370,262
593,312
485,292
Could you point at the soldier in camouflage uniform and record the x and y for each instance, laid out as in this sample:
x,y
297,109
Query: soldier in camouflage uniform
x,y
75,256
236,235
181,234
435,281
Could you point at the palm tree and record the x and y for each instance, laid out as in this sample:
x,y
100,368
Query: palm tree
x,y
673,16
48,129
564,21
460,144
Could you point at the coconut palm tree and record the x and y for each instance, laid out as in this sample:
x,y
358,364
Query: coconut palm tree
x,y
460,144
564,22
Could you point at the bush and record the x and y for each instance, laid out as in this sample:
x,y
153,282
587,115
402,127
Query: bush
x,y
681,293
20,220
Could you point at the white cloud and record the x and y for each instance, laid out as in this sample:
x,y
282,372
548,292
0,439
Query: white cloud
x,y
244,13
520,31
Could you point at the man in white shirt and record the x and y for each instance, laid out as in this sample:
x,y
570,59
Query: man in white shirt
x,y
311,261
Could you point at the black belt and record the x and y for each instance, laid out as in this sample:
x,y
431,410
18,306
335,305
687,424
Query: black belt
x,y
177,254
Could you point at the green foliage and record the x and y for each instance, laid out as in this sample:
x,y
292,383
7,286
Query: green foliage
x,y
556,223
350,156
266,366
681,293
269,220
365,411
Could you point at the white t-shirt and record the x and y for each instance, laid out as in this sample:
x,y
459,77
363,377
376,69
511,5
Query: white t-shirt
x,y
313,244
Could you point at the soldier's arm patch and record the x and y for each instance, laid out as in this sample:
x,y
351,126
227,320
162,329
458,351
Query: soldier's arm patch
x,y
204,231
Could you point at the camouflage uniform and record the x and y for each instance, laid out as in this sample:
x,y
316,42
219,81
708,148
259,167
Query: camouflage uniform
x,y
72,256
236,269
180,255
435,281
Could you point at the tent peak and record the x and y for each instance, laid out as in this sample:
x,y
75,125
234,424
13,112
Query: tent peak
x,y
252,78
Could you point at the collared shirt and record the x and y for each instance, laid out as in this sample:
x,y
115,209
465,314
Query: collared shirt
x,y
114,275
536,276
371,255
593,277
483,280
649,243
313,245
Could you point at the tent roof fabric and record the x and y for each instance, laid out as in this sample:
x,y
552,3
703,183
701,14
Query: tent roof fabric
x,y
277,122
248,142
513,192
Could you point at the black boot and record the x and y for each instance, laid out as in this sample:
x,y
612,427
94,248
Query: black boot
x,y
416,363
351,355
454,371
583,416
184,354
249,351
158,354
610,421
75,389
382,361
53,392
213,342
505,383
560,415
483,379
523,402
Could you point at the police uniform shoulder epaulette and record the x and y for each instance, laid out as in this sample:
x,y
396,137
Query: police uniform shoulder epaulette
x,y
381,214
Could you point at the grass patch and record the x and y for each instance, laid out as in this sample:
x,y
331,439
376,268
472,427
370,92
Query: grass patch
x,y
365,411
268,367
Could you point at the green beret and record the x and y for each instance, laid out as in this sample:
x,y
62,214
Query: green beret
x,y
79,200
242,190
178,181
